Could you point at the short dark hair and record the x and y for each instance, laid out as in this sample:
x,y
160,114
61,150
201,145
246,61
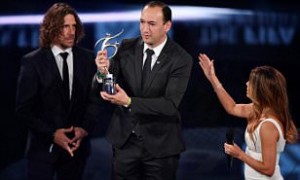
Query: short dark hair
x,y
167,12
53,21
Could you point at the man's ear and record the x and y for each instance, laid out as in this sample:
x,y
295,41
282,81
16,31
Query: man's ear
x,y
167,26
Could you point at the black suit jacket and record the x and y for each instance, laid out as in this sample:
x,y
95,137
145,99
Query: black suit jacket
x,y
40,99
156,107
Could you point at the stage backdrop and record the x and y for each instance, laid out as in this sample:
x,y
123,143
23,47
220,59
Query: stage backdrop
x,y
237,39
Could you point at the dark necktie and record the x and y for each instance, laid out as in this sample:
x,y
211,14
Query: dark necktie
x,y
66,76
147,66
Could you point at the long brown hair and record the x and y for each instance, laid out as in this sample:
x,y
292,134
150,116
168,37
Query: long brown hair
x,y
53,22
269,90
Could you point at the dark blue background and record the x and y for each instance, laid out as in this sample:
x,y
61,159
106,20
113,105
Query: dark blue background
x,y
238,42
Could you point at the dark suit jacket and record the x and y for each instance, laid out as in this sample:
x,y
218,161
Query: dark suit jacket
x,y
40,100
156,107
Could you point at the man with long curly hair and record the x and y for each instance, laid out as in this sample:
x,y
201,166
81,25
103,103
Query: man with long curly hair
x,y
52,97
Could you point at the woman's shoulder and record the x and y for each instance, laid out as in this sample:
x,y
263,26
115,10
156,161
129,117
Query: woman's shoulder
x,y
271,122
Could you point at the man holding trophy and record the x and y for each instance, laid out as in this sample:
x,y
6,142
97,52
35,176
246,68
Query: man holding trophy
x,y
151,73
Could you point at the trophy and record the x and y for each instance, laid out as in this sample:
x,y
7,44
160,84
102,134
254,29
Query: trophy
x,y
108,79
106,43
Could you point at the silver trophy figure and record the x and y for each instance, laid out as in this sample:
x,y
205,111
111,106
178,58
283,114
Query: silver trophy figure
x,y
109,80
106,43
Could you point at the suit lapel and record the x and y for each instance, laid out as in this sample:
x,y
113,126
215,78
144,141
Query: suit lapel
x,y
77,66
160,62
138,66
52,67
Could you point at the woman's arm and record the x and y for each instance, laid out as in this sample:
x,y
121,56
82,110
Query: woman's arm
x,y
239,110
269,136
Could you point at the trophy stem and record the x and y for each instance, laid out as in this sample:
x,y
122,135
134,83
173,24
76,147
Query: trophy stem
x,y
106,70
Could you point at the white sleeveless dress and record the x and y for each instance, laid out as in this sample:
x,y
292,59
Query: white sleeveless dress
x,y
253,149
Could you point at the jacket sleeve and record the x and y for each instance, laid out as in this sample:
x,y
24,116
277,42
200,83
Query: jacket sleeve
x,y
27,102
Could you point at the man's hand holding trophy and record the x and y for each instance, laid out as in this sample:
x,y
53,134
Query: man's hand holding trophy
x,y
103,61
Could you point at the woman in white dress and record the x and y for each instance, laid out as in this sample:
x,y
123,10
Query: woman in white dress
x,y
269,123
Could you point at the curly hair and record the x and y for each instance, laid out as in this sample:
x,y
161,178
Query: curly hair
x,y
53,22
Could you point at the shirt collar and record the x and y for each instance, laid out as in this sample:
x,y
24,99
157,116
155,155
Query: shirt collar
x,y
57,50
157,50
